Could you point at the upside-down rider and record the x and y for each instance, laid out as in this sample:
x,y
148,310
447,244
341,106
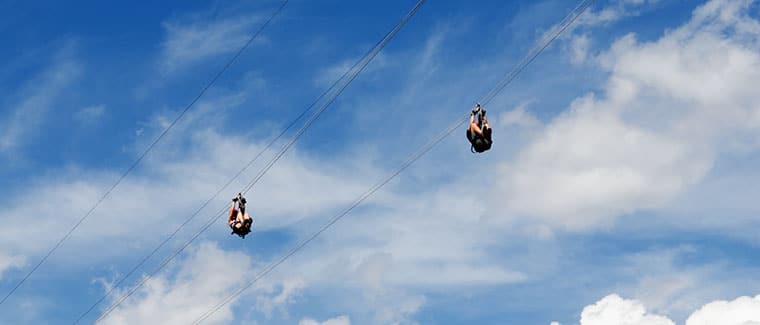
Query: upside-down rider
x,y
479,131
239,220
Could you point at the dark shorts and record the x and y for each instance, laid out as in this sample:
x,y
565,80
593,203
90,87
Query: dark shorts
x,y
479,143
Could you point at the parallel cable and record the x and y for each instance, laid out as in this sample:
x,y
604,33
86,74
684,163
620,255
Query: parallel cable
x,y
579,10
332,221
147,150
203,206
376,50
347,78
214,196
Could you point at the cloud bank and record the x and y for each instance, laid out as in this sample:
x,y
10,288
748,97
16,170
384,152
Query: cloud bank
x,y
614,310
670,107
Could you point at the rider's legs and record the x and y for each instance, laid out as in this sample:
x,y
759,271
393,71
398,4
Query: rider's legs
x,y
232,216
240,219
247,221
474,127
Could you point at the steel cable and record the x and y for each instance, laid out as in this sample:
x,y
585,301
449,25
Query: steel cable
x,y
346,79
145,153
569,19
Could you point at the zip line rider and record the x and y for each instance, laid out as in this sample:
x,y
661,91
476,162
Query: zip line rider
x,y
239,220
479,132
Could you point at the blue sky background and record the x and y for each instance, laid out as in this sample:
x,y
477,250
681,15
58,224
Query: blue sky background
x,y
621,185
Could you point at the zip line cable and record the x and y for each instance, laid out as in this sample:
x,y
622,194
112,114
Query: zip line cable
x,y
379,47
364,61
335,219
564,24
216,194
203,206
147,150
347,79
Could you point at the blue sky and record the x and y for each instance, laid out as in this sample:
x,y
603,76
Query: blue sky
x,y
621,188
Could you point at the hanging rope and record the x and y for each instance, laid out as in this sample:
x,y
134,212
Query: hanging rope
x,y
336,89
569,19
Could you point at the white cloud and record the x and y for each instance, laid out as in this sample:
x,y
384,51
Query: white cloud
x,y
210,112
340,320
90,114
403,246
425,58
448,240
614,310
207,276
520,116
670,107
616,11
661,280
666,286
189,42
579,48
329,74
397,309
589,165
10,261
289,291
741,311
37,98
164,193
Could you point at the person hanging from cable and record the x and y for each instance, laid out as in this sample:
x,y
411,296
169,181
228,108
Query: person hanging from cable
x,y
239,220
479,131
